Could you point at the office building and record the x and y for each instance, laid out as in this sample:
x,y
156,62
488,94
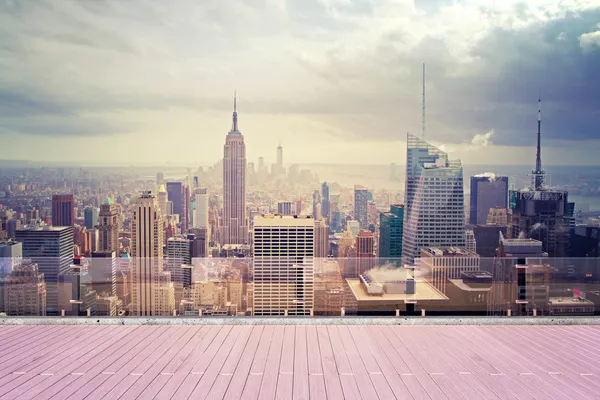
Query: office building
x,y
487,191
102,269
51,248
63,210
434,213
471,242
321,239
316,205
12,226
200,215
390,234
179,253
147,251
76,297
109,223
361,199
497,217
487,238
283,265
365,251
541,212
176,195
285,208
280,169
25,291
90,217
11,254
325,205
234,229
439,264
163,199
521,277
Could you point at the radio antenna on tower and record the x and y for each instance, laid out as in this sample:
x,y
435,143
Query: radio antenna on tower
x,y
423,121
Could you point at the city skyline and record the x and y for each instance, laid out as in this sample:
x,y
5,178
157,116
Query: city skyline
x,y
156,83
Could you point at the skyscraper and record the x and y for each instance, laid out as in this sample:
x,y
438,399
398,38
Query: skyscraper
x,y
541,212
51,248
234,228
321,239
361,200
90,217
279,159
147,253
325,207
108,226
285,208
283,265
365,254
63,210
200,219
390,233
163,199
434,213
175,192
487,191
316,202
25,291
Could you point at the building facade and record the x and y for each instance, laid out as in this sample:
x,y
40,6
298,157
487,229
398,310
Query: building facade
x,y
63,210
109,223
361,200
487,191
391,225
283,265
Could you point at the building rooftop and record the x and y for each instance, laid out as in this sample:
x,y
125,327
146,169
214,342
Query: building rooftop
x,y
570,301
44,228
299,361
449,252
424,291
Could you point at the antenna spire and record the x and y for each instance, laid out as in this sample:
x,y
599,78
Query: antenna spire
x,y
539,172
235,117
423,120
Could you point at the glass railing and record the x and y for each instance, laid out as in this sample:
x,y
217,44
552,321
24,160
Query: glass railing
x,y
449,285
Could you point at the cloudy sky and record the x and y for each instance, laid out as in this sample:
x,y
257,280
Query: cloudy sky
x,y
331,80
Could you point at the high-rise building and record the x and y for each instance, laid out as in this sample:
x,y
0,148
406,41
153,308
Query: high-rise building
x,y
63,210
103,272
521,277
51,248
200,219
175,191
487,238
438,264
90,217
25,291
321,239
160,178
497,217
365,251
12,226
434,213
325,206
234,229
186,209
471,242
315,204
353,227
147,253
285,208
163,199
361,200
109,222
487,191
179,253
76,296
11,254
283,265
279,159
390,233
541,212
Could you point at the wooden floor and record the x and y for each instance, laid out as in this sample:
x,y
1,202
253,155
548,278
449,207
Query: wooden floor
x,y
299,362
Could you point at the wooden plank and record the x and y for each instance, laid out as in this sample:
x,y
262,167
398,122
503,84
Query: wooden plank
x,y
89,382
225,377
109,382
285,382
238,380
393,379
38,343
224,361
268,386
47,367
123,380
179,370
206,370
347,378
39,352
316,378
254,380
423,376
365,385
25,335
91,357
333,384
154,371
301,389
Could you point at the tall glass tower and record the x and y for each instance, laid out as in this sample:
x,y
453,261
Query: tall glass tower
x,y
434,200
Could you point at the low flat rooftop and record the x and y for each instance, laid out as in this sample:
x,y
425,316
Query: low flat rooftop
x,y
299,361
423,292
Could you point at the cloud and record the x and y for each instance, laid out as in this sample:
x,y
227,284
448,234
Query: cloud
x,y
350,69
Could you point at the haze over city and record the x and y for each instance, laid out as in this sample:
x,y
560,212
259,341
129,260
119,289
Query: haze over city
x,y
333,81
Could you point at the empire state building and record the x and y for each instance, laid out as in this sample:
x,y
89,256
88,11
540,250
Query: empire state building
x,y
234,229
